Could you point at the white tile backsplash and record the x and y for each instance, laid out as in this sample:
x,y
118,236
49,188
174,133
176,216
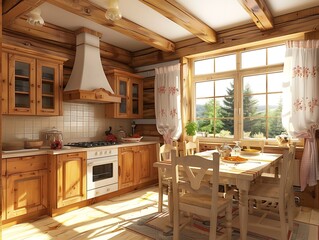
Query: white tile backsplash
x,y
80,122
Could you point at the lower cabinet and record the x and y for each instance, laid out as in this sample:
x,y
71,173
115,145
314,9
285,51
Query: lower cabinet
x,y
136,165
71,178
25,186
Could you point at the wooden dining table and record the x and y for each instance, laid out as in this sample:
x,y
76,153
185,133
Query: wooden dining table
x,y
239,174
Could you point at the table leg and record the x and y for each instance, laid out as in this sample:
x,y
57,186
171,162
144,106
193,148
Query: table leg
x,y
170,202
243,187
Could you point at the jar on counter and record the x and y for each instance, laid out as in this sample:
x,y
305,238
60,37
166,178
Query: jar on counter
x,y
54,138
121,134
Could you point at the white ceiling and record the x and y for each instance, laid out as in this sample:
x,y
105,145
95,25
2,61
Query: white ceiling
x,y
218,14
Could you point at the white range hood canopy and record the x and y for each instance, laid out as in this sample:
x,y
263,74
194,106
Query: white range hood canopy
x,y
87,74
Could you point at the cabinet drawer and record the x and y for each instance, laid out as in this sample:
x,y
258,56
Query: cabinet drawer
x,y
25,164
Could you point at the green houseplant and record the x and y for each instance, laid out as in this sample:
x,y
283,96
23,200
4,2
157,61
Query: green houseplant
x,y
191,128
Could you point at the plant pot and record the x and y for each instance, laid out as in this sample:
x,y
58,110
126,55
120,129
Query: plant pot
x,y
191,138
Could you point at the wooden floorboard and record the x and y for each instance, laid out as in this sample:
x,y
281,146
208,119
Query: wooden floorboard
x,y
106,220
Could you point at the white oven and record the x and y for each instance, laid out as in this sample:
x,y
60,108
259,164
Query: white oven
x,y
102,171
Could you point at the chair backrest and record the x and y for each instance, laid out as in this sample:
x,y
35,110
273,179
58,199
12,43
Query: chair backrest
x,y
255,144
286,173
165,152
194,172
190,148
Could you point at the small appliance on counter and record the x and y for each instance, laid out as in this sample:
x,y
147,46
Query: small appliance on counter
x,y
53,138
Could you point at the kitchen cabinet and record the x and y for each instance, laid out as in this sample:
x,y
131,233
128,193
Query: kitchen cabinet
x,y
34,83
25,182
136,165
4,71
71,178
129,87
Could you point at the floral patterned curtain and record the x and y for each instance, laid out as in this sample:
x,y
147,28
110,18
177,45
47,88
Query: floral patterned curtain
x,y
300,113
168,102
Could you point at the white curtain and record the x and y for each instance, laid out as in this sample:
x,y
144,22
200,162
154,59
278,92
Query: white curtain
x,y
300,114
168,102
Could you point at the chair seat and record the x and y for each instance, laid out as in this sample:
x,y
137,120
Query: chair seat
x,y
202,200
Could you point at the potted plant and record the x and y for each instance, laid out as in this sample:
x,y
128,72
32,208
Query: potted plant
x,y
191,128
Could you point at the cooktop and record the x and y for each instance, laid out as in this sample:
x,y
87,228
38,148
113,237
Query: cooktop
x,y
91,144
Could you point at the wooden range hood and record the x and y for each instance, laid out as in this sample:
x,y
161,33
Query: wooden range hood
x,y
88,82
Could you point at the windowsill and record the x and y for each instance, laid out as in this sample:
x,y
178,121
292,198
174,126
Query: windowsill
x,y
274,145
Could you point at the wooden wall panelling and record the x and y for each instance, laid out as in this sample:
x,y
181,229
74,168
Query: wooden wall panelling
x,y
312,35
148,98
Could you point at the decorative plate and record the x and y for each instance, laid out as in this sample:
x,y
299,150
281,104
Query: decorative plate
x,y
250,152
132,139
234,159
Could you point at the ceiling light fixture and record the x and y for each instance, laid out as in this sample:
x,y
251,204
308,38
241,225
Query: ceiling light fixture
x,y
113,12
34,17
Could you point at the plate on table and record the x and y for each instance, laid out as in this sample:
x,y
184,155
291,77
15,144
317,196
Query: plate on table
x,y
250,151
234,159
132,139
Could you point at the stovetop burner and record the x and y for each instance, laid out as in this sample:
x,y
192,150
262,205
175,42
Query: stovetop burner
x,y
91,144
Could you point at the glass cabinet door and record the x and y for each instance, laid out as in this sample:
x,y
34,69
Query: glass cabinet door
x,y
47,88
21,85
123,92
136,98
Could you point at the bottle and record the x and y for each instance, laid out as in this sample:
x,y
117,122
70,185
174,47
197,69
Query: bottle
x,y
226,150
236,149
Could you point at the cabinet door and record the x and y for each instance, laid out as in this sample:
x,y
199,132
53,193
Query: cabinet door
x,y
71,178
126,167
5,75
26,193
4,188
21,85
142,161
136,98
122,110
48,88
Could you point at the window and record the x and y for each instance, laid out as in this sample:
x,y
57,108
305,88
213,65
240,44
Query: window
x,y
215,107
240,103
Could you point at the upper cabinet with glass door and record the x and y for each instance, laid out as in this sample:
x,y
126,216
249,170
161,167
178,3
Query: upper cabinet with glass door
x,y
129,87
48,88
34,83
21,85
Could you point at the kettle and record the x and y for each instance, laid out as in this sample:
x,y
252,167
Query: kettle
x,y
54,138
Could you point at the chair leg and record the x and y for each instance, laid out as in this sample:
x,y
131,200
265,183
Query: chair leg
x,y
176,229
160,197
291,211
228,217
282,216
170,202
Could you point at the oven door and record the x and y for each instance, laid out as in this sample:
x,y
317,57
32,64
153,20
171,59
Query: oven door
x,y
102,172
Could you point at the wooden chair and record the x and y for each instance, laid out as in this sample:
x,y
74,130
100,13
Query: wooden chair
x,y
253,144
201,196
190,148
280,193
164,176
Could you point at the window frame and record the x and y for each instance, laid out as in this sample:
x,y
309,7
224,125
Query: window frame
x,y
238,74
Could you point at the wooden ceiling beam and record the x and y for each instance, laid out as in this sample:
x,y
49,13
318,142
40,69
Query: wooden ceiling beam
x,y
96,14
13,9
178,14
259,12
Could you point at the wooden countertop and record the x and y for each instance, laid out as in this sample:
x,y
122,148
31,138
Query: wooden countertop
x,y
66,149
